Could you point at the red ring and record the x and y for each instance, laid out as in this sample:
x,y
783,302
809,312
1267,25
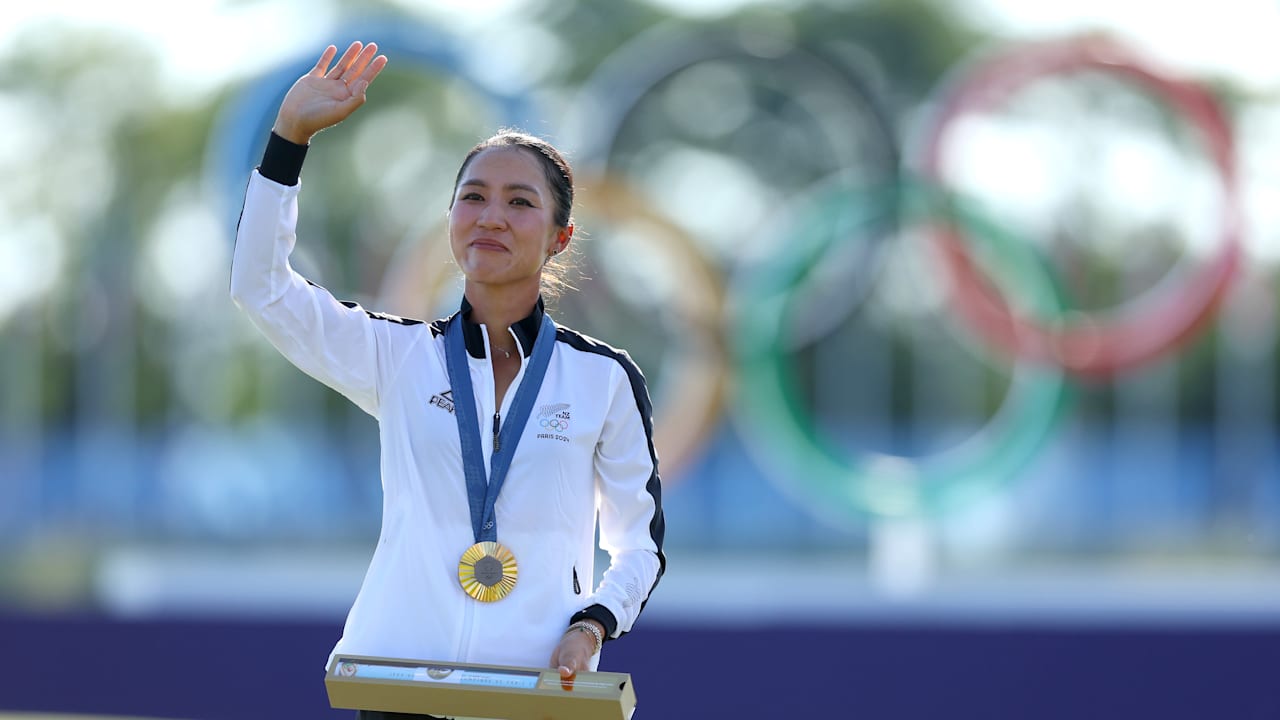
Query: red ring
x,y
1087,345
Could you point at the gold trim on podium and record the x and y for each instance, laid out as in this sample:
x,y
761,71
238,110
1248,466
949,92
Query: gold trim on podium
x,y
480,692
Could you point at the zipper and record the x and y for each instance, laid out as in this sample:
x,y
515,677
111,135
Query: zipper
x,y
497,424
464,642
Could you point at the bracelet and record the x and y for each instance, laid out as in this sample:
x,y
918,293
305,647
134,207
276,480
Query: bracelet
x,y
590,629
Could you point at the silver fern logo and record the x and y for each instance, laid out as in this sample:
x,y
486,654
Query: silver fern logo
x,y
553,409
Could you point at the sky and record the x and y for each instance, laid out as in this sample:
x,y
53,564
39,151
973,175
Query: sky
x,y
1232,38
211,40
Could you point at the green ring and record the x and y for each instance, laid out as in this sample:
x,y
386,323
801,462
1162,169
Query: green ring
x,y
780,434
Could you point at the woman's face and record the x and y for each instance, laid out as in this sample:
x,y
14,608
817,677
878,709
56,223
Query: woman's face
x,y
501,225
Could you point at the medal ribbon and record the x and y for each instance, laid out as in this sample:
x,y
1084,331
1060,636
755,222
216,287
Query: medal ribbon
x,y
482,494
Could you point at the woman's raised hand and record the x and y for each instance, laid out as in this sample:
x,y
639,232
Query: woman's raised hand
x,y
325,96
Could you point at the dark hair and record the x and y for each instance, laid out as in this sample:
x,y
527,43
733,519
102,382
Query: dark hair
x,y
556,169
560,179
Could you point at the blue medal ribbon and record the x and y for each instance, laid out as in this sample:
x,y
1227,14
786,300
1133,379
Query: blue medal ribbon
x,y
482,494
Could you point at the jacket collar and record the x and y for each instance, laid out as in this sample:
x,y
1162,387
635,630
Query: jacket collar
x,y
526,329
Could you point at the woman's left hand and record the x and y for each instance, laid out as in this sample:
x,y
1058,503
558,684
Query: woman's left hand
x,y
326,96
574,652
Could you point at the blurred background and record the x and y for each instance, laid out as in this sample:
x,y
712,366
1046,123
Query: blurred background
x,y
959,319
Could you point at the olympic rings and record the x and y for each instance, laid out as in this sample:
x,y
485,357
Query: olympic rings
x,y
779,433
1129,336
557,424
817,266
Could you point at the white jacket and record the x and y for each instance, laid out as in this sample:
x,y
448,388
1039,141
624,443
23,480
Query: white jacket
x,y
587,448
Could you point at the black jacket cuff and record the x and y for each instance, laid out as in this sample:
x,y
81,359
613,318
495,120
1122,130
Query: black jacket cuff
x,y
282,160
600,614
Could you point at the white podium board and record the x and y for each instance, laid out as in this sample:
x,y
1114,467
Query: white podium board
x,y
479,692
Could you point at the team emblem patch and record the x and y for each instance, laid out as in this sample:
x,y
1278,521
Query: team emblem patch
x,y
553,422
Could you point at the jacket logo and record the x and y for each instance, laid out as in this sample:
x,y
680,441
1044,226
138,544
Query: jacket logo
x,y
553,421
443,400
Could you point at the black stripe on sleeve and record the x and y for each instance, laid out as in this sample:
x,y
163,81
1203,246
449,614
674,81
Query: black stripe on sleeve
x,y
600,614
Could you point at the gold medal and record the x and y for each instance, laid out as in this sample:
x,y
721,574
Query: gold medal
x,y
487,571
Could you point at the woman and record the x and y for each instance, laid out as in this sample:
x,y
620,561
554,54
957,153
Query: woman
x,y
502,435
